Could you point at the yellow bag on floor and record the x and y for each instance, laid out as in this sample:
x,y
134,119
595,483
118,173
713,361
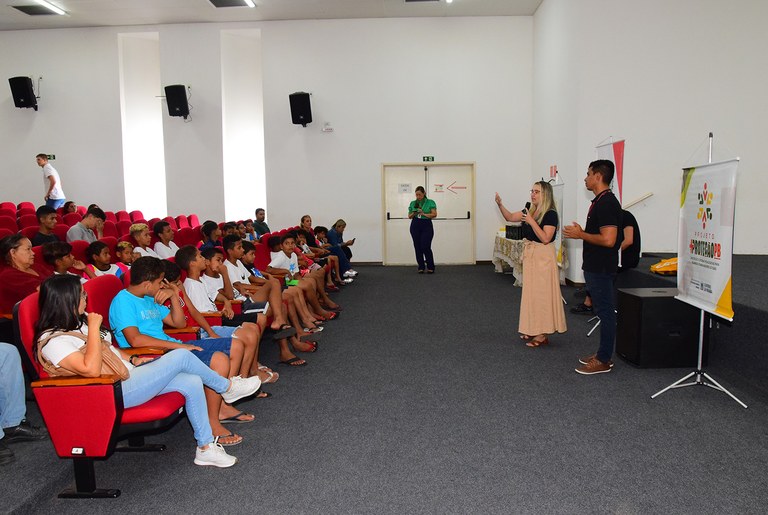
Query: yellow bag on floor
x,y
665,267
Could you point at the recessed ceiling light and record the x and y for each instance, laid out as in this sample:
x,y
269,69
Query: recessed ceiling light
x,y
50,6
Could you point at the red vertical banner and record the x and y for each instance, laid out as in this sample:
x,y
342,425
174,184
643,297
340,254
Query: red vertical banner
x,y
618,161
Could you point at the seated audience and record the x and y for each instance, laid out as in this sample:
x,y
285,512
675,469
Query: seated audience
x,y
125,255
340,247
259,225
46,219
59,256
321,236
13,409
137,315
165,247
219,289
87,229
250,233
195,303
211,235
140,233
100,261
228,229
20,275
68,207
62,308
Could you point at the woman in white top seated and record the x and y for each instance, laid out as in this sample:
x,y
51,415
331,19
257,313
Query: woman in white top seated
x,y
62,310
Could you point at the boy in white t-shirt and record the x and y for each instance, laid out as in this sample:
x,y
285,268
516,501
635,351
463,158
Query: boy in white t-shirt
x,y
140,233
99,260
285,264
165,247
219,288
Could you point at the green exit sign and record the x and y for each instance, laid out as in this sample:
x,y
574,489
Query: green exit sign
x,y
51,157
428,159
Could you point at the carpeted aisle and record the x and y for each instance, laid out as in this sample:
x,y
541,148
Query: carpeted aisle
x,y
421,399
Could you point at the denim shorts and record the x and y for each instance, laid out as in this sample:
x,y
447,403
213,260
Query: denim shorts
x,y
210,346
224,332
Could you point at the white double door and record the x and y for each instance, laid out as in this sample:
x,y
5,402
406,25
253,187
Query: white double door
x,y
451,186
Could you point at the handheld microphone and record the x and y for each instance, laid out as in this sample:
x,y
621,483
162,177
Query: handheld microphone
x,y
527,206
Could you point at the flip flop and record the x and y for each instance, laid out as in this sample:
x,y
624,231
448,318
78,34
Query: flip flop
x,y
313,331
285,331
261,394
290,362
273,376
313,349
236,439
235,419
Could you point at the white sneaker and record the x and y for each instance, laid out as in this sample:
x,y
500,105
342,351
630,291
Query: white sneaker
x,y
350,273
239,388
214,456
348,280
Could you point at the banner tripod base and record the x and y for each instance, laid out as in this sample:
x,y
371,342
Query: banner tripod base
x,y
700,380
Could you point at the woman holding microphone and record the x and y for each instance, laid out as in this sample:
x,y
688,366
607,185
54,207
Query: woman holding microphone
x,y
541,306
421,212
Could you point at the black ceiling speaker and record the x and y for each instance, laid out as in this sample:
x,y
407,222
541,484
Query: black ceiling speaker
x,y
176,97
23,92
301,111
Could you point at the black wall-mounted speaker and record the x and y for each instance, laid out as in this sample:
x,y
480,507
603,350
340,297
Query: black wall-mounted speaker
x,y
23,92
176,97
301,111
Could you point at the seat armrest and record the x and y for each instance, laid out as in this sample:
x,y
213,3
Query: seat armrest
x,y
74,381
144,350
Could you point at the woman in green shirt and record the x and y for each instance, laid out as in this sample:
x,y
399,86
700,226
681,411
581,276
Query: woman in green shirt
x,y
421,212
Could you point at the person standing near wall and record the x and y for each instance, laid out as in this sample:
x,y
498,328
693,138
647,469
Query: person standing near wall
x,y
421,212
54,192
600,260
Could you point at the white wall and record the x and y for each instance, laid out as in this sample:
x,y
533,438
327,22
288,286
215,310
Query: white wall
x,y
78,120
662,75
394,90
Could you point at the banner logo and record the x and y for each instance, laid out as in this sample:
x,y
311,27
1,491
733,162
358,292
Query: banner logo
x,y
705,213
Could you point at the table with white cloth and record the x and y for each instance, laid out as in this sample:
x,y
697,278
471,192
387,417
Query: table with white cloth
x,y
510,253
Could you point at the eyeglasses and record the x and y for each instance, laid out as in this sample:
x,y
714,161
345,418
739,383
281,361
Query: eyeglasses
x,y
535,191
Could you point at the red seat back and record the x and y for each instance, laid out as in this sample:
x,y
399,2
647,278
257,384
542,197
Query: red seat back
x,y
26,314
30,231
8,206
81,210
9,222
26,205
6,232
123,215
111,216
27,220
71,219
182,222
171,221
78,250
60,230
194,221
110,229
38,251
101,290
136,216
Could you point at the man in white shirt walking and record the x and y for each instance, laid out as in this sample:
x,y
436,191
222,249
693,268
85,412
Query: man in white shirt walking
x,y
54,193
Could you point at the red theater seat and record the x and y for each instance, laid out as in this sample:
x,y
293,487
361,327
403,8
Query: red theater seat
x,y
85,416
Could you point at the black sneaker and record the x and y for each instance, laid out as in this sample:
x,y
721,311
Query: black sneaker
x,y
24,432
583,309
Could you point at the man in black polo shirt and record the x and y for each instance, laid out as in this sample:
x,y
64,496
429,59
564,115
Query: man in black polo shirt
x,y
600,260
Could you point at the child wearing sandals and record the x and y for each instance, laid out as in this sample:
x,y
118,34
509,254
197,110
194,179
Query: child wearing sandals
x,y
137,315
62,308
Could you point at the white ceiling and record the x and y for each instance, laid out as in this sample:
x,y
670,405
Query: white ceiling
x,y
100,13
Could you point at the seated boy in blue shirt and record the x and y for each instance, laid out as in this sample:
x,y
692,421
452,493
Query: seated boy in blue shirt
x,y
137,315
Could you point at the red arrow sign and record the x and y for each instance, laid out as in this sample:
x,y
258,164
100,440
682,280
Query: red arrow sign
x,y
451,188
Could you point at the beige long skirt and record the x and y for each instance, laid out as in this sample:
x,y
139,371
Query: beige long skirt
x,y
541,307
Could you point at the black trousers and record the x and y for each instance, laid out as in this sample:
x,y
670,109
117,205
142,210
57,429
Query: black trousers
x,y
422,233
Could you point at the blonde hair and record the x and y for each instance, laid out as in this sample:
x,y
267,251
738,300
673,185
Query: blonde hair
x,y
122,245
338,223
546,201
137,228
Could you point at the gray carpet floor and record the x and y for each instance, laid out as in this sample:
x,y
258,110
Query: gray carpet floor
x,y
421,399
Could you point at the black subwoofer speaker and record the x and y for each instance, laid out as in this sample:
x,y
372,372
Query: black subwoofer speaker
x,y
655,330
176,97
301,110
23,92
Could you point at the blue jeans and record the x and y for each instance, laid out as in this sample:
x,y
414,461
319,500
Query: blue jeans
x,y
55,203
601,289
12,407
177,371
344,263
